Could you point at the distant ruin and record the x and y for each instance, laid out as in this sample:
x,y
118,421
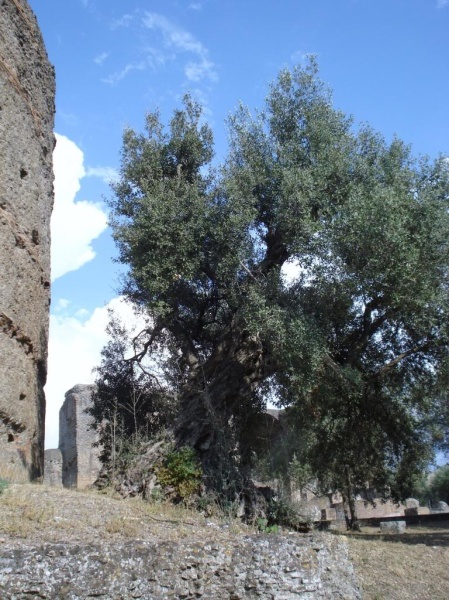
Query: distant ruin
x,y
80,462
27,92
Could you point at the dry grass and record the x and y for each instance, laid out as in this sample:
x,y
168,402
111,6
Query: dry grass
x,y
13,472
40,514
411,566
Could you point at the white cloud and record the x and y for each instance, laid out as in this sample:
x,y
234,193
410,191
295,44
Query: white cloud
x,y
195,71
99,60
119,75
107,174
291,271
62,304
195,6
442,3
124,21
175,40
74,225
73,351
181,40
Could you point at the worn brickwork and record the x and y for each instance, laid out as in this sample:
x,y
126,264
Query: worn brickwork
x,y
81,465
27,89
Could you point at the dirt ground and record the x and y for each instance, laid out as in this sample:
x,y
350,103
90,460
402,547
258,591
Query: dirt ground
x,y
411,566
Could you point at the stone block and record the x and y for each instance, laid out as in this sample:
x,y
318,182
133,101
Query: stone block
x,y
411,512
243,567
423,510
392,527
411,503
53,467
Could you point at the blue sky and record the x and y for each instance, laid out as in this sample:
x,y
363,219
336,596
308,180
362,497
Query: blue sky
x,y
386,61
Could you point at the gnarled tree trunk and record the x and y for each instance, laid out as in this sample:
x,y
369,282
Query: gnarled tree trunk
x,y
214,404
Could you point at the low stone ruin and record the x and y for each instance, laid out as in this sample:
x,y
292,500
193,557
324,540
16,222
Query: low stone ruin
x,y
252,566
393,527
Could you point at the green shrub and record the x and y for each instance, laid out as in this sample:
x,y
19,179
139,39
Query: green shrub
x,y
182,472
263,527
439,485
281,512
3,485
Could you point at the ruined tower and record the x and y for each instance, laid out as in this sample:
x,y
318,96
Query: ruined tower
x,y
27,90
80,458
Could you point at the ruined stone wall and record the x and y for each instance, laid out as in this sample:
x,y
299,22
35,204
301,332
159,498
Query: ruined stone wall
x,y
290,567
27,89
80,466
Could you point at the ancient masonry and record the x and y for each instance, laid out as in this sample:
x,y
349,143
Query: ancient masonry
x,y
75,463
27,90
288,567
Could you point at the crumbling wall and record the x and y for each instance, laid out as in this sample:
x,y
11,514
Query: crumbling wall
x,y
27,90
271,567
80,466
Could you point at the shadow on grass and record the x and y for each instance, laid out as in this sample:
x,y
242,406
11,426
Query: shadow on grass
x,y
436,537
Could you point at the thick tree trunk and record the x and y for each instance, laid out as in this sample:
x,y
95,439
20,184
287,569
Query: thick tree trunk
x,y
213,404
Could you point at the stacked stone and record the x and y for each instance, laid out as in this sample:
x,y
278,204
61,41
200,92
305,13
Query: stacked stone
x,y
27,89
263,567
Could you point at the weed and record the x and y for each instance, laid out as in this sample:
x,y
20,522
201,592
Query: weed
x,y
263,527
37,514
281,512
182,472
3,485
123,526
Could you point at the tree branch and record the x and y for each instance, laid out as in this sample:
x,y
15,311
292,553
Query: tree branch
x,y
369,329
389,366
187,347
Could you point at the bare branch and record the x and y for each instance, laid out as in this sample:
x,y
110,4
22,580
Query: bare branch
x,y
389,366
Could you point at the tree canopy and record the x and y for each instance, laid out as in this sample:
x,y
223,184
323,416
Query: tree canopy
x,y
353,342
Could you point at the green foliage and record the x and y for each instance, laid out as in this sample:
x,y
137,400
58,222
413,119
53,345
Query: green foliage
x,y
263,527
281,512
355,342
432,487
182,472
439,484
3,485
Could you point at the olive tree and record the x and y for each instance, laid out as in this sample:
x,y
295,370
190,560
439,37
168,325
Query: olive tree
x,y
353,341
